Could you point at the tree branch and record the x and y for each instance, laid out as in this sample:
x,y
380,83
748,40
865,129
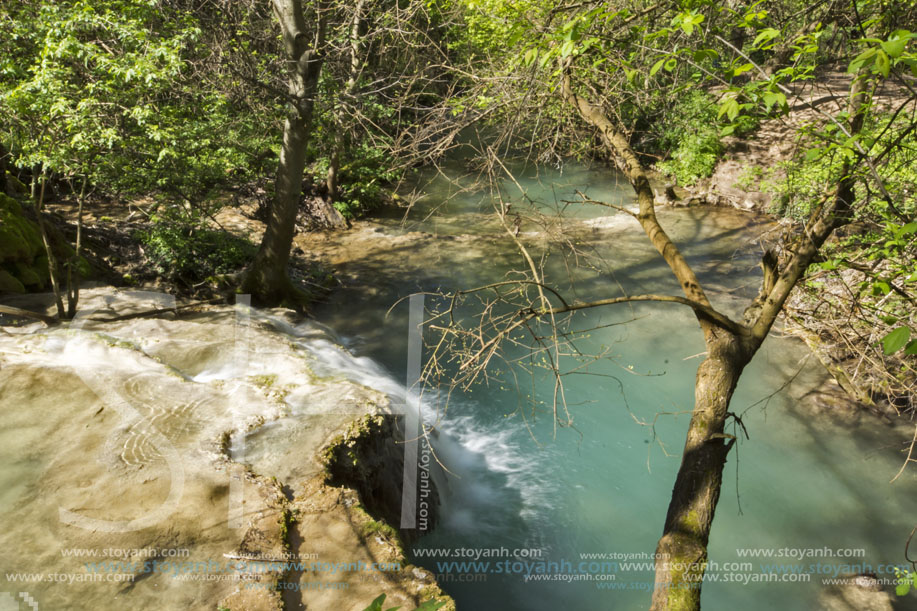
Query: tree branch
x,y
619,147
702,310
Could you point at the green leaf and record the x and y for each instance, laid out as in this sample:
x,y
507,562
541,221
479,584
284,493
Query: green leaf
x,y
903,588
657,66
766,35
742,69
774,97
670,64
896,43
813,154
431,605
911,350
730,108
864,59
906,229
896,340
546,57
883,65
376,605
880,288
910,62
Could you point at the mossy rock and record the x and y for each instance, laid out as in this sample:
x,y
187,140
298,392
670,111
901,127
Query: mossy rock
x,y
22,252
15,186
31,275
9,283
19,237
10,205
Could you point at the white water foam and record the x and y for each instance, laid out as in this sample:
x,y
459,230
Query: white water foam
x,y
489,467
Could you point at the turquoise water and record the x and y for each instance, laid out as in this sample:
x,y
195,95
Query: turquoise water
x,y
806,478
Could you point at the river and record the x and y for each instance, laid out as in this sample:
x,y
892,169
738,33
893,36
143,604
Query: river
x,y
809,485
112,432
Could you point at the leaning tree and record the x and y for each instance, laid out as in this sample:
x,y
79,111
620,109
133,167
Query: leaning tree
x,y
599,68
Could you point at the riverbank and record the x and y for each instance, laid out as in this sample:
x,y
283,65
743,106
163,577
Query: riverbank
x,y
838,307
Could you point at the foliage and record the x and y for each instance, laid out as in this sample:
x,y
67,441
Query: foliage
x,y
364,174
107,90
865,286
906,580
863,290
897,339
429,605
376,605
488,27
185,250
690,135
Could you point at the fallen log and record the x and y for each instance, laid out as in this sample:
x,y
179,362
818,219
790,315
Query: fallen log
x,y
48,320
157,311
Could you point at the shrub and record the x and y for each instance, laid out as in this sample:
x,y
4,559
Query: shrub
x,y
690,138
190,252
695,157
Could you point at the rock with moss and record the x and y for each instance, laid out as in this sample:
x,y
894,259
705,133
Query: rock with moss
x,y
14,186
30,275
9,283
22,253
19,237
20,249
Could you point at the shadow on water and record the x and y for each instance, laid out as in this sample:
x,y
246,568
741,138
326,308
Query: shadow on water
x,y
605,485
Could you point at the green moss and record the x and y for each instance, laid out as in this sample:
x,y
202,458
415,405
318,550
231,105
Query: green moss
x,y
19,237
264,380
692,521
285,520
9,283
10,205
225,442
15,185
117,342
371,526
29,275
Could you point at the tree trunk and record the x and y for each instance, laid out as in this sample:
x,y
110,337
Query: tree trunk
x,y
349,88
3,155
73,272
266,278
49,249
682,551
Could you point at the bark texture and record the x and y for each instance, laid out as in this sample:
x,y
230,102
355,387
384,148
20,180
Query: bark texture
x,y
682,549
266,279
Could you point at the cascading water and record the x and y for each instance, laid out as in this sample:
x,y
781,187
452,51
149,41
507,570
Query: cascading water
x,y
116,489
812,478
110,422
